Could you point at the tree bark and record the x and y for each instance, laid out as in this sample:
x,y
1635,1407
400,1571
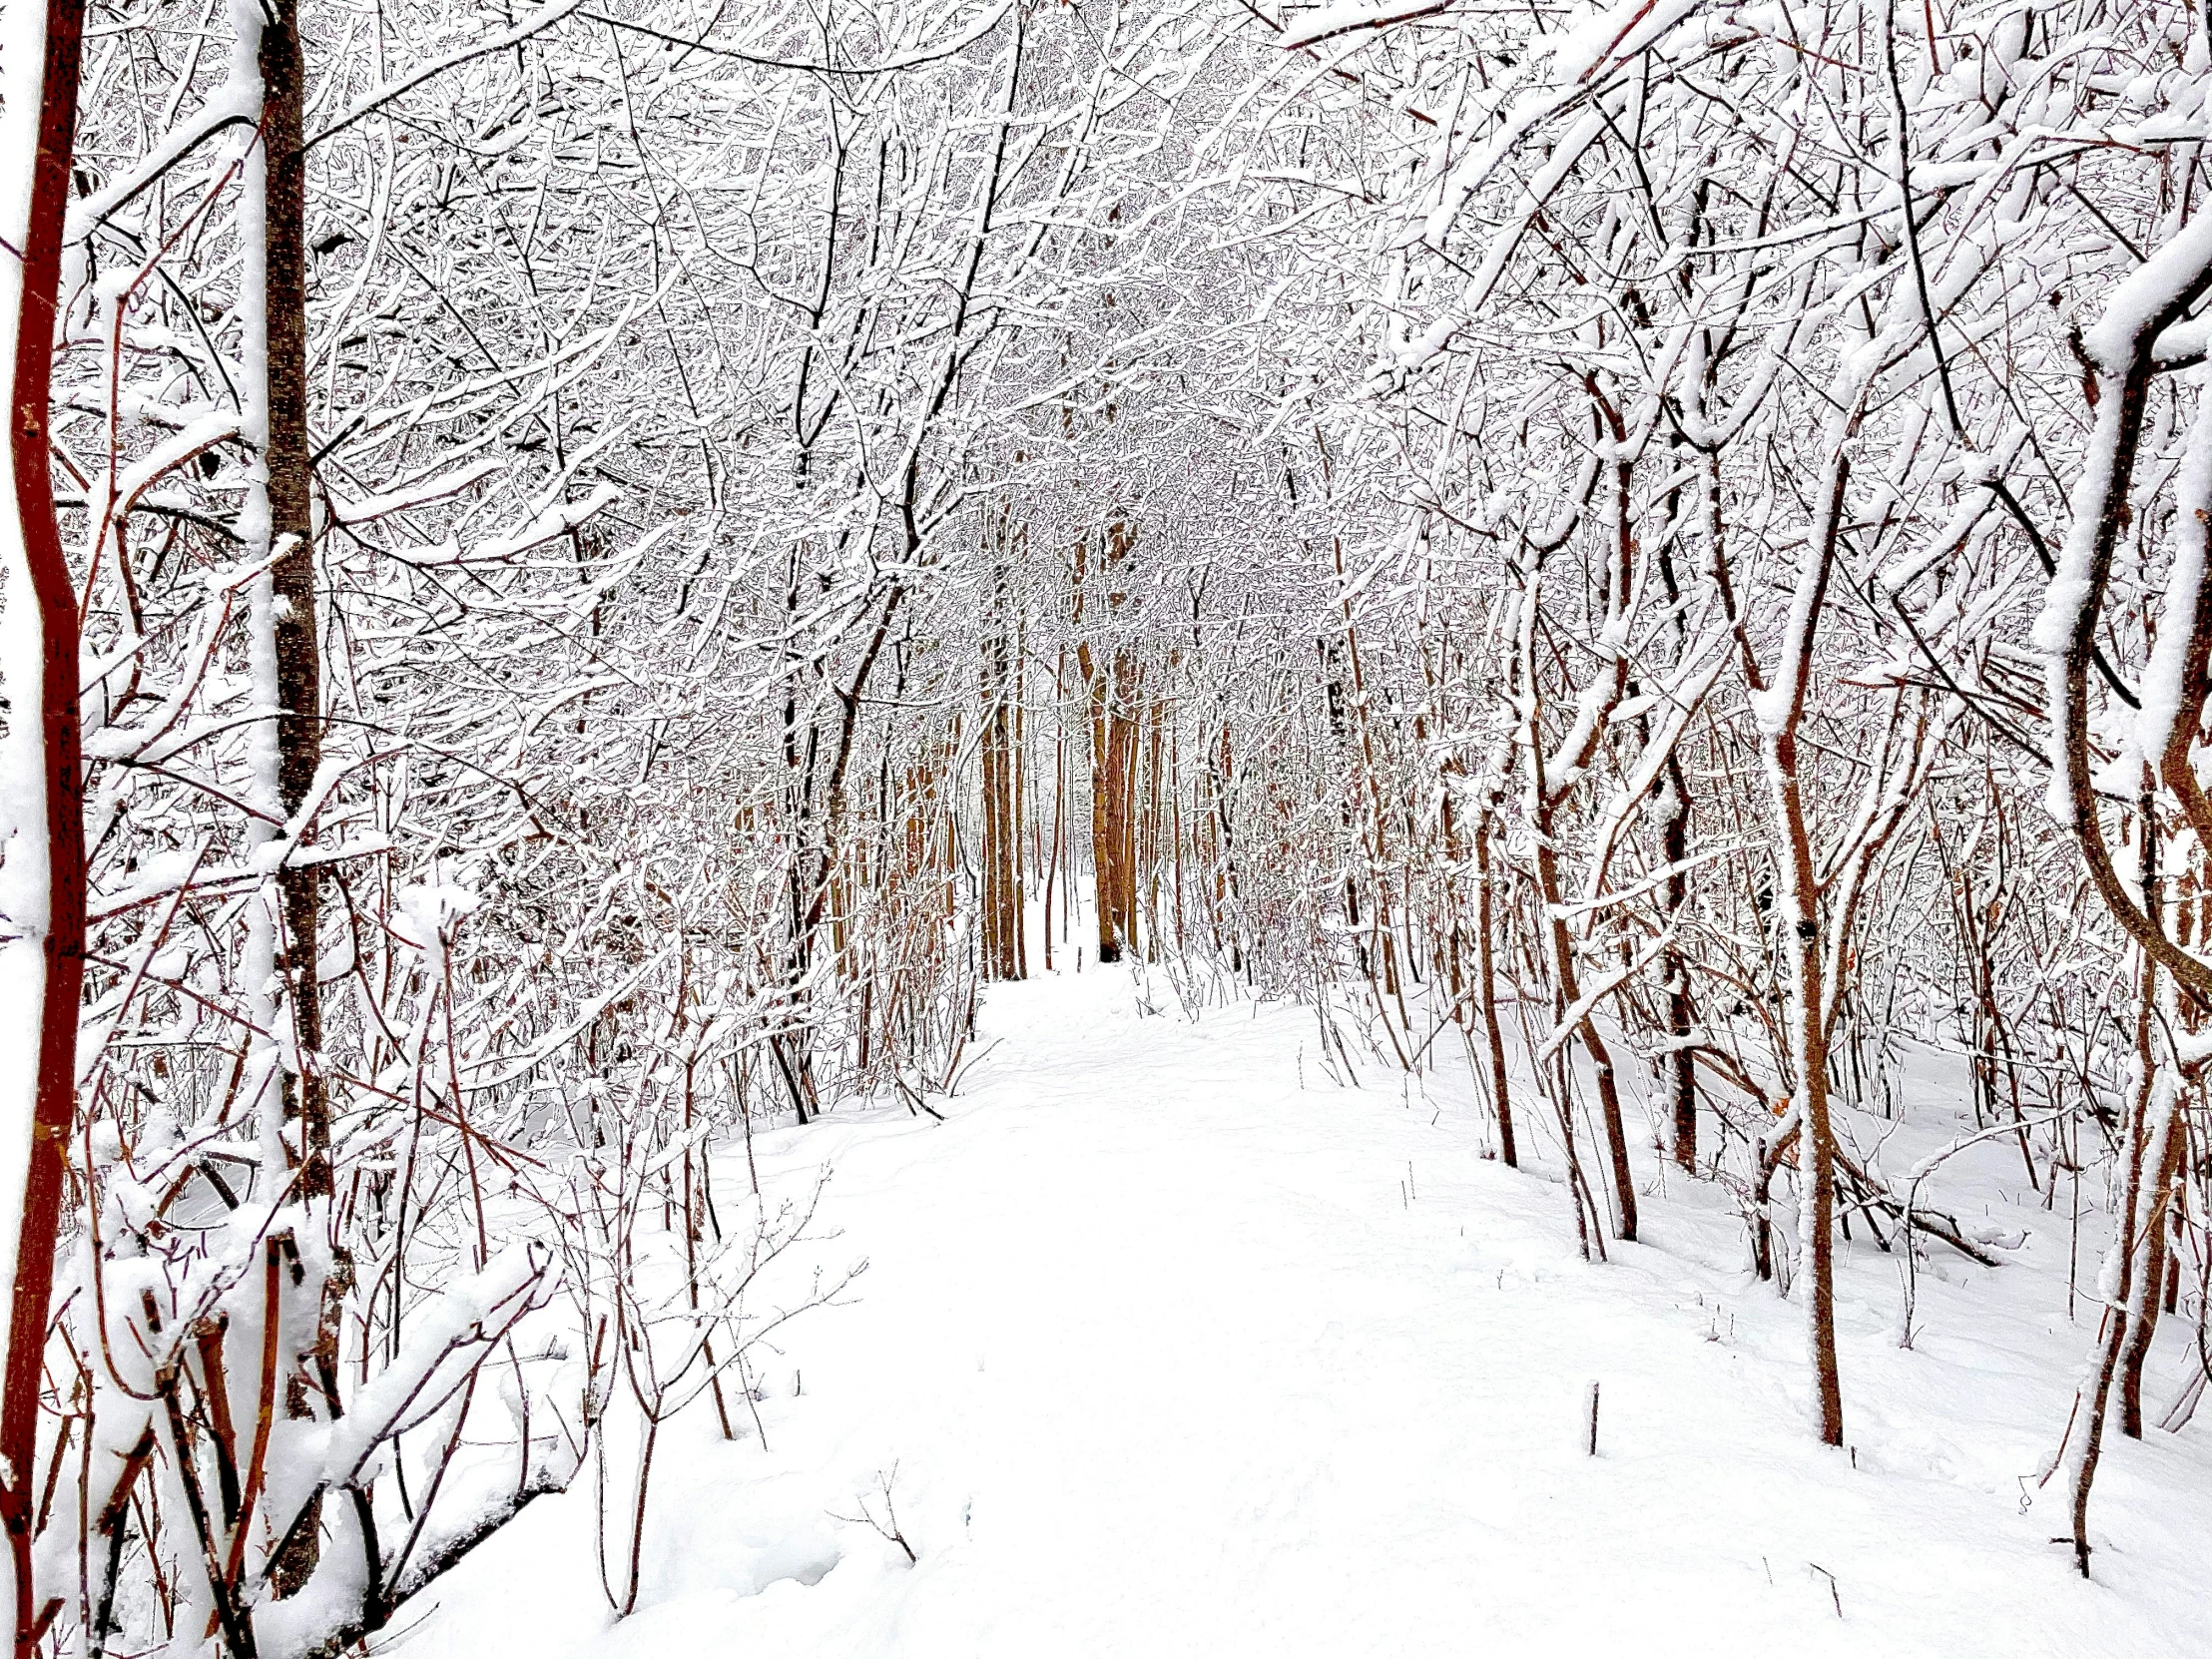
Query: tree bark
x,y
288,459
1112,688
1486,924
1674,972
2151,1225
60,932
1002,895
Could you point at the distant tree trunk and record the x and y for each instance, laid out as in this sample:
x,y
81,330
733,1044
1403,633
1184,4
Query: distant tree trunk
x,y
1123,730
1151,854
58,935
1485,928
1559,936
1681,1063
2152,1133
1114,727
1808,1044
1113,750
1569,992
1002,826
1806,1011
1051,861
1175,838
1020,791
2162,1193
1223,894
1337,699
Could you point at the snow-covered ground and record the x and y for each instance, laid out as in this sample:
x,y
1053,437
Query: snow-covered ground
x,y
1176,1348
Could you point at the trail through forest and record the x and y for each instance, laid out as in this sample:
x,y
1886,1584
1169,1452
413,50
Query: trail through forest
x,y
1625,584
1170,1345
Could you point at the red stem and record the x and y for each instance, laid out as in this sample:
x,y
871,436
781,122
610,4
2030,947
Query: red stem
x,y
55,596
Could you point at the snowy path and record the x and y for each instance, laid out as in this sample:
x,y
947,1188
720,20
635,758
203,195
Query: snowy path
x,y
1170,1362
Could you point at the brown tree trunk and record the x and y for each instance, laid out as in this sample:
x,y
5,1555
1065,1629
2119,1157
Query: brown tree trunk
x,y
288,459
1002,895
1113,786
1122,737
1114,738
1105,846
1021,811
1560,936
1486,925
1593,1043
2161,1190
1051,861
1807,1046
2150,1133
1151,854
1224,892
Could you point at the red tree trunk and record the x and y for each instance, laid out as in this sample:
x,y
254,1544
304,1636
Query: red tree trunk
x,y
63,940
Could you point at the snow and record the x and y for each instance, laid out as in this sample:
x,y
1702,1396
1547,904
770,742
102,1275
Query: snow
x,y
536,23
2149,295
420,1377
2166,676
1169,1346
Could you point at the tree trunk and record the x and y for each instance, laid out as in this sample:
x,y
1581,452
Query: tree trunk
x,y
1486,924
289,460
2162,1193
288,466
1808,1044
1681,1063
1114,736
2151,1130
1002,830
37,564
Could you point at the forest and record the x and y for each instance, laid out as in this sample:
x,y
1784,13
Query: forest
x,y
1060,828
